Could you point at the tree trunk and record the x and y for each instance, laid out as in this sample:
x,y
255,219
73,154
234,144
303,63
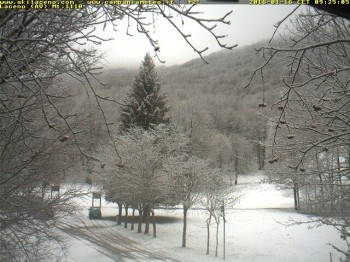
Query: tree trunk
x,y
147,213
236,168
44,186
154,224
185,209
263,153
208,233
258,156
321,183
139,229
296,196
126,216
133,219
339,167
322,191
307,196
261,156
332,195
217,237
261,146
340,188
120,213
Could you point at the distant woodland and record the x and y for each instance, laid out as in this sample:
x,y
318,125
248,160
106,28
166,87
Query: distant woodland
x,y
226,120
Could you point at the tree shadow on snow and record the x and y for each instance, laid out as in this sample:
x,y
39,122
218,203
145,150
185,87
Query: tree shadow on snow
x,y
158,219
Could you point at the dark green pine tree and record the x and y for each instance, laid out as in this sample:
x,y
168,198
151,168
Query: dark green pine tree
x,y
146,106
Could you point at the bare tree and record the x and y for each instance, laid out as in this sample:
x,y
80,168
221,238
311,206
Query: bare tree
x,y
317,56
38,48
217,195
189,176
312,124
141,181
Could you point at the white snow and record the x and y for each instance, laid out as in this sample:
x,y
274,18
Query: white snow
x,y
255,231
83,250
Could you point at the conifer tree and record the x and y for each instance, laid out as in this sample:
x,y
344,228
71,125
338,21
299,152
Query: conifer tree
x,y
145,104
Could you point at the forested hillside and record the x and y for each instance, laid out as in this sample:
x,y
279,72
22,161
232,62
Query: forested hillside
x,y
158,137
210,101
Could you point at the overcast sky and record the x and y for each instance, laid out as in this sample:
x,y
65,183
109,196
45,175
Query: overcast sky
x,y
249,24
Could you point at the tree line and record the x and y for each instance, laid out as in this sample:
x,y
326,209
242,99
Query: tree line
x,y
310,121
158,167
47,58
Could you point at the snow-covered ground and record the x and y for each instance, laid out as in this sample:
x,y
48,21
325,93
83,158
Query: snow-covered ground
x,y
255,231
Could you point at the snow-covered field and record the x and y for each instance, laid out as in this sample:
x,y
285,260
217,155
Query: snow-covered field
x,y
255,231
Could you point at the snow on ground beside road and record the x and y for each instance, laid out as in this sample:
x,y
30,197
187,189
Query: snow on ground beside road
x,y
255,231
85,251
257,194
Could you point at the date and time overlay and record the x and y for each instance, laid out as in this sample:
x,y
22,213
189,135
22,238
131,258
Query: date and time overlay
x,y
78,4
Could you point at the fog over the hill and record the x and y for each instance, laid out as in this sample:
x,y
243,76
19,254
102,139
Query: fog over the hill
x,y
249,24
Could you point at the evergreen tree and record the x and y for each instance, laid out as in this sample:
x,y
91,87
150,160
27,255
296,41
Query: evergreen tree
x,y
145,104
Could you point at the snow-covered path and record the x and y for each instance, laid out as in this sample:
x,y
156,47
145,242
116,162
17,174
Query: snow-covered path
x,y
107,243
255,231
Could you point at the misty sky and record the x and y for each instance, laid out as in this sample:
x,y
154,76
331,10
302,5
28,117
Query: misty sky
x,y
249,24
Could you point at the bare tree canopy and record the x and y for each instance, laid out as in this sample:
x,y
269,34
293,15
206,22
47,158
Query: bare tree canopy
x,y
316,53
311,123
39,127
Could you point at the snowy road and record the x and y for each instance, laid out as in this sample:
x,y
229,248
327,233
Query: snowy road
x,y
256,231
102,236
